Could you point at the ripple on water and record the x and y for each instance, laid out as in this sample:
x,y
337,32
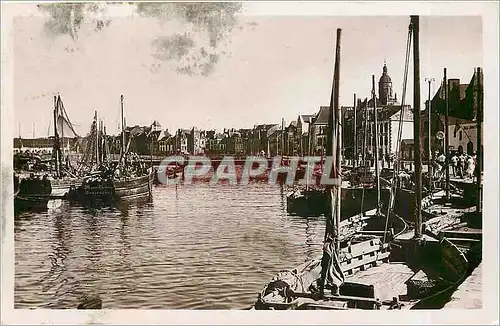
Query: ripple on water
x,y
194,247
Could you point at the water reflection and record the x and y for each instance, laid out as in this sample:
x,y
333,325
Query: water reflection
x,y
56,277
193,247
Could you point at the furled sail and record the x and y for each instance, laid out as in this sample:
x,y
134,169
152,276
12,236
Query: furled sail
x,y
334,275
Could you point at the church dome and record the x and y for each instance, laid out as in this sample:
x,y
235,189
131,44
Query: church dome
x,y
385,77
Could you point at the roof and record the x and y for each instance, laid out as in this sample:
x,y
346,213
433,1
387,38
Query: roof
x,y
263,126
273,129
164,135
379,102
306,118
36,142
462,98
184,132
455,121
322,116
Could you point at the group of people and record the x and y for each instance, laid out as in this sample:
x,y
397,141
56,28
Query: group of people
x,y
463,165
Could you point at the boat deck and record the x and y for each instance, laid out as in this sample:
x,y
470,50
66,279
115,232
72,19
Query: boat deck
x,y
388,279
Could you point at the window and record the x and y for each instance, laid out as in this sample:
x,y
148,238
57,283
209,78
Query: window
x,y
460,135
455,133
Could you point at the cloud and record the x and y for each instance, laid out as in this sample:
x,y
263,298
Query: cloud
x,y
68,18
210,23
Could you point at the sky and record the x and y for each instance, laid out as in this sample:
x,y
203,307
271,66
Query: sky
x,y
275,66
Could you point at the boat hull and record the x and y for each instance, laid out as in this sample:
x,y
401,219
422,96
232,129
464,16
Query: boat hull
x,y
134,188
34,193
315,202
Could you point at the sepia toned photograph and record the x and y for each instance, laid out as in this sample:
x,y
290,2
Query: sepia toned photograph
x,y
245,156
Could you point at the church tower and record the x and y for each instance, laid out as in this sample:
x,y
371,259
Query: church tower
x,y
385,87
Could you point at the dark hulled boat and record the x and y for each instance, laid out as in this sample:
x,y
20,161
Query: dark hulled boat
x,y
314,201
53,180
128,180
102,187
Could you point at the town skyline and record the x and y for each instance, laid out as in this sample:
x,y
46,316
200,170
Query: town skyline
x,y
278,67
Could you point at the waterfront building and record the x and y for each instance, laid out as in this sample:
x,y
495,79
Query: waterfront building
x,y
260,140
165,143
197,141
318,131
274,140
389,112
182,140
291,141
462,121
302,135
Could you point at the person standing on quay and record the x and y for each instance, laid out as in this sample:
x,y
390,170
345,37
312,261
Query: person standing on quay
x,y
470,167
454,164
461,165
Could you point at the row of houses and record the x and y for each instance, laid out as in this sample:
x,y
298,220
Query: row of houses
x,y
306,135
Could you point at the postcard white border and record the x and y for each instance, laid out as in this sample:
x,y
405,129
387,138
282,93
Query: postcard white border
x,y
487,315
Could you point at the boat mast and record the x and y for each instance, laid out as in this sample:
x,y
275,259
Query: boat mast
x,y
62,134
96,121
416,127
56,139
123,126
355,139
309,142
446,136
282,136
375,121
429,139
338,129
479,150
333,151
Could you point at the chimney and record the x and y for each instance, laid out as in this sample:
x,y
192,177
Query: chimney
x,y
452,83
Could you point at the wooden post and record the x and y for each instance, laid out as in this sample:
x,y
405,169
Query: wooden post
x,y
416,127
355,140
377,161
479,150
446,135
429,138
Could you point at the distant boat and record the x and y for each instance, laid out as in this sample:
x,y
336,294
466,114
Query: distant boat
x,y
107,187
129,179
39,186
314,201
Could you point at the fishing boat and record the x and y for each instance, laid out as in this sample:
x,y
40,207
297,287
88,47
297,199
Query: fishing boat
x,y
127,180
363,270
58,177
361,190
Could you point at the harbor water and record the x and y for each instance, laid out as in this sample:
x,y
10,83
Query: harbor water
x,y
193,247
